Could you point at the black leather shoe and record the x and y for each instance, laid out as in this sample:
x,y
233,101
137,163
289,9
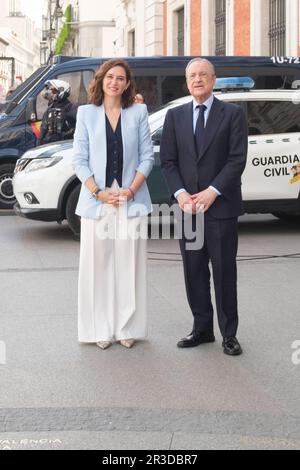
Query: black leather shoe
x,y
193,340
231,346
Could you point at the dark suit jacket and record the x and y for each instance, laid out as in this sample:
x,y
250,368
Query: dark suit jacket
x,y
221,162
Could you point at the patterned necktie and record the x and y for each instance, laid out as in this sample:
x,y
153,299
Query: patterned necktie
x,y
200,129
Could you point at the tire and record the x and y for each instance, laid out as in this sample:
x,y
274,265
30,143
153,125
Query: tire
x,y
73,219
7,198
287,217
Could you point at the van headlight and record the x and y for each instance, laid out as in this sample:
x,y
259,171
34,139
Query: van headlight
x,y
40,163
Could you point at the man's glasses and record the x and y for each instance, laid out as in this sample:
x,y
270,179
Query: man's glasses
x,y
202,75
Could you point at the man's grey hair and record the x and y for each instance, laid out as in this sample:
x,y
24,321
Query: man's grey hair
x,y
198,59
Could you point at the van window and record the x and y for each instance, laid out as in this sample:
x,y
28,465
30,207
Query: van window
x,y
156,136
273,117
160,89
17,96
147,86
79,82
173,87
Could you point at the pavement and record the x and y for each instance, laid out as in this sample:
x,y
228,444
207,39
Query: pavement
x,y
58,394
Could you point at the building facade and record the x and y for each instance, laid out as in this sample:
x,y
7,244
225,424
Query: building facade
x,y
78,28
234,27
139,28
208,27
5,71
19,44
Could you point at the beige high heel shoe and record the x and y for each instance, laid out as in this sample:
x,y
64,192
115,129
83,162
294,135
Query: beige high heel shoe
x,y
103,344
127,343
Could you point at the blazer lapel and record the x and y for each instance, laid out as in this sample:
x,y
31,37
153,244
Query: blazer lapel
x,y
214,120
98,150
100,131
124,123
188,129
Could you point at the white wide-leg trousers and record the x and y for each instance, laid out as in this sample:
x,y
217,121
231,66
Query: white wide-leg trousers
x,y
112,285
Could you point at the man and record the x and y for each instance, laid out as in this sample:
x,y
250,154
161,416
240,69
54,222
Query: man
x,y
203,154
60,117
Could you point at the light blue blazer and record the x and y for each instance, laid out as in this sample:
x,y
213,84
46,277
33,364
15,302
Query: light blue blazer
x,y
90,154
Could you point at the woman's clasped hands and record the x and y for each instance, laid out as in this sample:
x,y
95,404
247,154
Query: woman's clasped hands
x,y
115,198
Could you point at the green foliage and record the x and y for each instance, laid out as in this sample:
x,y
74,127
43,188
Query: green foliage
x,y
64,32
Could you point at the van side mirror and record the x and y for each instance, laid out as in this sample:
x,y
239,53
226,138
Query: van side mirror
x,y
31,110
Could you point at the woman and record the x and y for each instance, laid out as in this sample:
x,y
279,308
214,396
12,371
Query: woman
x,y
139,98
113,156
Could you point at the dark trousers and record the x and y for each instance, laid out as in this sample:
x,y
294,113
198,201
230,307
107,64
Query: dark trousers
x,y
220,247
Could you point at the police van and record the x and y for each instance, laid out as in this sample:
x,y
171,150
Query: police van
x,y
47,189
159,79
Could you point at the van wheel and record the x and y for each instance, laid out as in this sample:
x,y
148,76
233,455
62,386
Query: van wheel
x,y
7,198
72,218
287,217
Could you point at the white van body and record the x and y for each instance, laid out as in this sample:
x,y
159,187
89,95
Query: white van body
x,y
271,156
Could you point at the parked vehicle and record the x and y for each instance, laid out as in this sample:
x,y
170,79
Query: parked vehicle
x,y
159,79
47,189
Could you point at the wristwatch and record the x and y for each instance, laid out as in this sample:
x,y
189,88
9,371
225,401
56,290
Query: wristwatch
x,y
95,193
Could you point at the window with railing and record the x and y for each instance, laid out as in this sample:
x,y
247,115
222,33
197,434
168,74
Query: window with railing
x,y
220,21
180,31
277,27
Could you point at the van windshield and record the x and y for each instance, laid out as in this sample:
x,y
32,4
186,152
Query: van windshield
x,y
22,89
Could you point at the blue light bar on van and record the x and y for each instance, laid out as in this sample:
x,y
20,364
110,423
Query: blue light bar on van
x,y
234,83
